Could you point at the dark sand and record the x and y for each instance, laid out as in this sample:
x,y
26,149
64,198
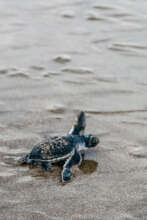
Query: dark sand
x,y
58,57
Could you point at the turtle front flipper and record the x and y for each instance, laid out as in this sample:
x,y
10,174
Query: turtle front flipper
x,y
79,124
75,159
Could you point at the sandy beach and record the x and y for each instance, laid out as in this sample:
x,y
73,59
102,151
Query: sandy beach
x,y
57,58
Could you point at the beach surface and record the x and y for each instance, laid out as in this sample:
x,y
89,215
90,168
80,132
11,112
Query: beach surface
x,y
57,58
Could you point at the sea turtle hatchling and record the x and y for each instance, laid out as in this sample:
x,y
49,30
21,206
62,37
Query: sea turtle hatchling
x,y
67,148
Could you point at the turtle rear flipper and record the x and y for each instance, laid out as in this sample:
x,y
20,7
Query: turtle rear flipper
x,y
79,124
46,166
23,160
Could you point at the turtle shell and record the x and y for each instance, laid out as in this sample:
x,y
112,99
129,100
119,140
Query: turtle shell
x,y
53,149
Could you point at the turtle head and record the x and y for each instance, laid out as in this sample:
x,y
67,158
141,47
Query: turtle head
x,y
91,140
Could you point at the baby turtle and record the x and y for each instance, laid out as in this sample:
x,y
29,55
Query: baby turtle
x,y
68,149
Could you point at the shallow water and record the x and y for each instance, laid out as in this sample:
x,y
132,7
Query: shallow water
x,y
59,57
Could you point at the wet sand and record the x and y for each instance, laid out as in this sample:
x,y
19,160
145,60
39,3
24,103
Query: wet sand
x,y
57,58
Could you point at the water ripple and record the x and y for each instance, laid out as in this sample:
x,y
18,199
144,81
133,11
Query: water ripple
x,y
80,70
115,112
128,48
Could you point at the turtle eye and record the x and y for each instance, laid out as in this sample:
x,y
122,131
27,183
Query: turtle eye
x,y
94,140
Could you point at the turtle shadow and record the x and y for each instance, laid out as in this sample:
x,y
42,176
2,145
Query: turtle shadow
x,y
39,173
88,166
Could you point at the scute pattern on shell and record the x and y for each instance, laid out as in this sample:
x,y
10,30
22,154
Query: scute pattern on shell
x,y
52,148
